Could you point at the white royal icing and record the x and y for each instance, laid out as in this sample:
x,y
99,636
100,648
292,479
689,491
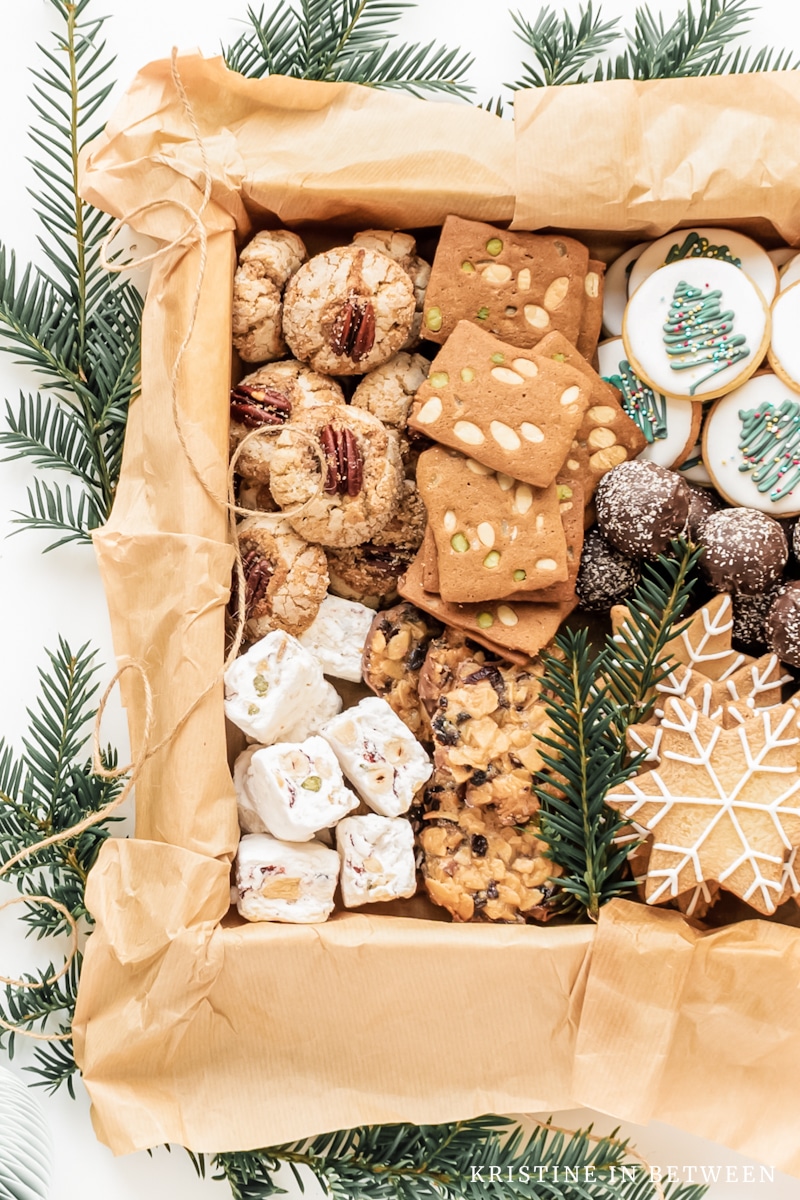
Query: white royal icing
x,y
694,469
696,328
669,421
784,350
721,244
615,289
723,446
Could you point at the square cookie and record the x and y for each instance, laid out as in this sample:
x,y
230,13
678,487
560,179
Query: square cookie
x,y
518,286
510,628
493,534
512,411
592,316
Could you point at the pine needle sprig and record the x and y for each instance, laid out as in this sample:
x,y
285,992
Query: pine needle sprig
x,y
46,790
347,40
636,660
583,760
561,48
73,325
487,1158
699,40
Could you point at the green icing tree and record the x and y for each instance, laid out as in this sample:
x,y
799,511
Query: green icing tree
x,y
697,332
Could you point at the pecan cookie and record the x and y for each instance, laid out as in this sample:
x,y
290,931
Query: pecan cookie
x,y
402,248
271,397
354,495
394,653
265,266
478,868
486,731
348,310
368,573
286,579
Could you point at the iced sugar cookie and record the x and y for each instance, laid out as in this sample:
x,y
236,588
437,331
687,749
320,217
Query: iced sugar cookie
x,y
781,255
693,469
670,426
723,245
696,328
790,273
784,349
751,446
615,296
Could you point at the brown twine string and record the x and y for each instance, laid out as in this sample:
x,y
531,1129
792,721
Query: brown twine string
x,y
597,1138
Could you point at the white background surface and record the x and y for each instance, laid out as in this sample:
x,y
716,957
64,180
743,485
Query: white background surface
x,y
42,597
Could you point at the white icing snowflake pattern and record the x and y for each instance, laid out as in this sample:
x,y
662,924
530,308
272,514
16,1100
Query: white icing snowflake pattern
x,y
723,804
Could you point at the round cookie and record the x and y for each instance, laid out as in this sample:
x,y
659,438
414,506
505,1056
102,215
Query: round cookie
x,y
671,427
615,289
348,310
388,391
782,627
790,273
782,255
784,348
370,573
355,496
402,248
749,446
272,396
721,245
696,328
641,507
265,266
286,579
605,577
744,551
394,653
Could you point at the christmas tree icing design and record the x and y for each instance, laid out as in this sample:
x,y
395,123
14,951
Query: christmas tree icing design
x,y
640,402
698,331
770,446
694,246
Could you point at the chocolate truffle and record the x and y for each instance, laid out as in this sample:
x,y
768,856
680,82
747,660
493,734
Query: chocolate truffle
x,y
783,624
641,507
702,503
744,551
605,577
750,616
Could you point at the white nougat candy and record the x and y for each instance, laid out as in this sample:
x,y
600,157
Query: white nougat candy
x,y
296,789
382,759
284,881
249,820
377,856
272,687
328,703
337,635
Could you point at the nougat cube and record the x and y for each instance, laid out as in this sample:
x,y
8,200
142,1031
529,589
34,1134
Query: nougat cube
x,y
284,881
377,859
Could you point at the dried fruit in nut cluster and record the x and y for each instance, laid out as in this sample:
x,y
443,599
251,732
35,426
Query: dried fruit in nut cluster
x,y
353,330
345,463
394,653
257,406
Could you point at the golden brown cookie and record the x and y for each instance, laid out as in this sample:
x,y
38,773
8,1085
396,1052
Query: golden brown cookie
x,y
493,534
394,654
722,804
478,868
592,316
265,266
513,411
518,286
286,579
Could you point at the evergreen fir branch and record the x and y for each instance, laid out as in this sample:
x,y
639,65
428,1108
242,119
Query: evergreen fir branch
x,y
43,791
345,40
636,659
77,328
51,508
52,436
561,48
583,761
488,1157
